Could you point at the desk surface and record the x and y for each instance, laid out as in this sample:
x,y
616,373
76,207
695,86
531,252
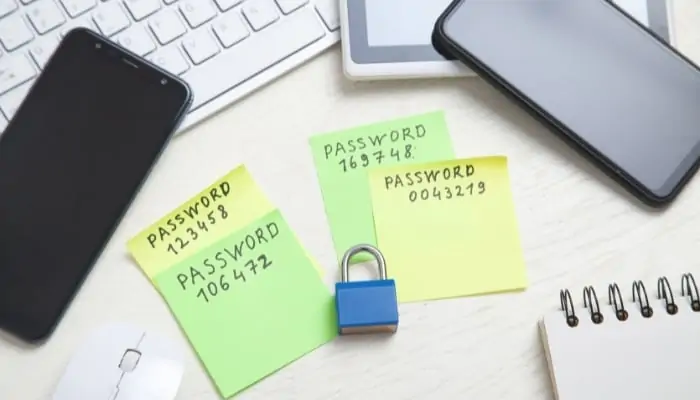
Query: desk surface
x,y
577,228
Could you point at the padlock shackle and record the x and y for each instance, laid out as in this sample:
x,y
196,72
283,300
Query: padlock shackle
x,y
345,264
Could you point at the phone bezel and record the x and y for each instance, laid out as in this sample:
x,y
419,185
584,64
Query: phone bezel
x,y
443,43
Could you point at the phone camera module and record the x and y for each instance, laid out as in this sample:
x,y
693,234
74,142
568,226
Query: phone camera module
x,y
163,81
98,45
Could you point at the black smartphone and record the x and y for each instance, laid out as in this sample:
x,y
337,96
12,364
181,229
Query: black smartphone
x,y
71,160
588,70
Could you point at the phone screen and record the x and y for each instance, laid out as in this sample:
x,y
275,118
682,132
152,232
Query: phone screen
x,y
627,97
71,160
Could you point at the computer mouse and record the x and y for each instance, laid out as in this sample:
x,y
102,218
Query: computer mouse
x,y
123,362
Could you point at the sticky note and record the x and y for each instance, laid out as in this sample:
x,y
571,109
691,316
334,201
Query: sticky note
x,y
250,303
343,158
228,204
448,228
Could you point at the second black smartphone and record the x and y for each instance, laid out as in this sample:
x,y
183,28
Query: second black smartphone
x,y
71,161
593,74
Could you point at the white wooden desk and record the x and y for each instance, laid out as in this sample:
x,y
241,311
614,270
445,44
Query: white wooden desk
x,y
577,228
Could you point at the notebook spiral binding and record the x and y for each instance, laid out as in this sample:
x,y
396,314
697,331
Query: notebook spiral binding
x,y
639,296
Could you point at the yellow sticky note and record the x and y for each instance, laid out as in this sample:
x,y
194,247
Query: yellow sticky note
x,y
250,303
448,228
228,204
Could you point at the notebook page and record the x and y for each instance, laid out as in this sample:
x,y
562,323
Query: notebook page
x,y
641,359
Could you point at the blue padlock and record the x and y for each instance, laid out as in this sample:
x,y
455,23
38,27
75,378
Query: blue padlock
x,y
366,306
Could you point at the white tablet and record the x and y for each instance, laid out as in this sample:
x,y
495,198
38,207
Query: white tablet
x,y
391,39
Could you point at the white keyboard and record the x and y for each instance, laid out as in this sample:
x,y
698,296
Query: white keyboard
x,y
224,49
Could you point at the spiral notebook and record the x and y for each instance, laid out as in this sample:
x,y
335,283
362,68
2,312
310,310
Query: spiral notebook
x,y
629,342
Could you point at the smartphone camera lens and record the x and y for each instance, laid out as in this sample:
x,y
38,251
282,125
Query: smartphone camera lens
x,y
163,81
98,45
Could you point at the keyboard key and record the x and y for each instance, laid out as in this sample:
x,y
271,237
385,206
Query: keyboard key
x,y
45,16
77,7
200,46
287,6
14,71
82,23
170,59
110,19
328,9
141,9
230,29
10,102
166,26
260,13
3,125
197,12
225,5
137,40
7,7
14,32
41,50
280,40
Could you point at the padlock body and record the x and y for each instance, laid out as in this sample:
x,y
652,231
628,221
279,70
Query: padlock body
x,y
366,307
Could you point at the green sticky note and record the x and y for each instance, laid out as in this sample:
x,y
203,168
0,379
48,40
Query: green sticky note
x,y
448,228
343,158
250,303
